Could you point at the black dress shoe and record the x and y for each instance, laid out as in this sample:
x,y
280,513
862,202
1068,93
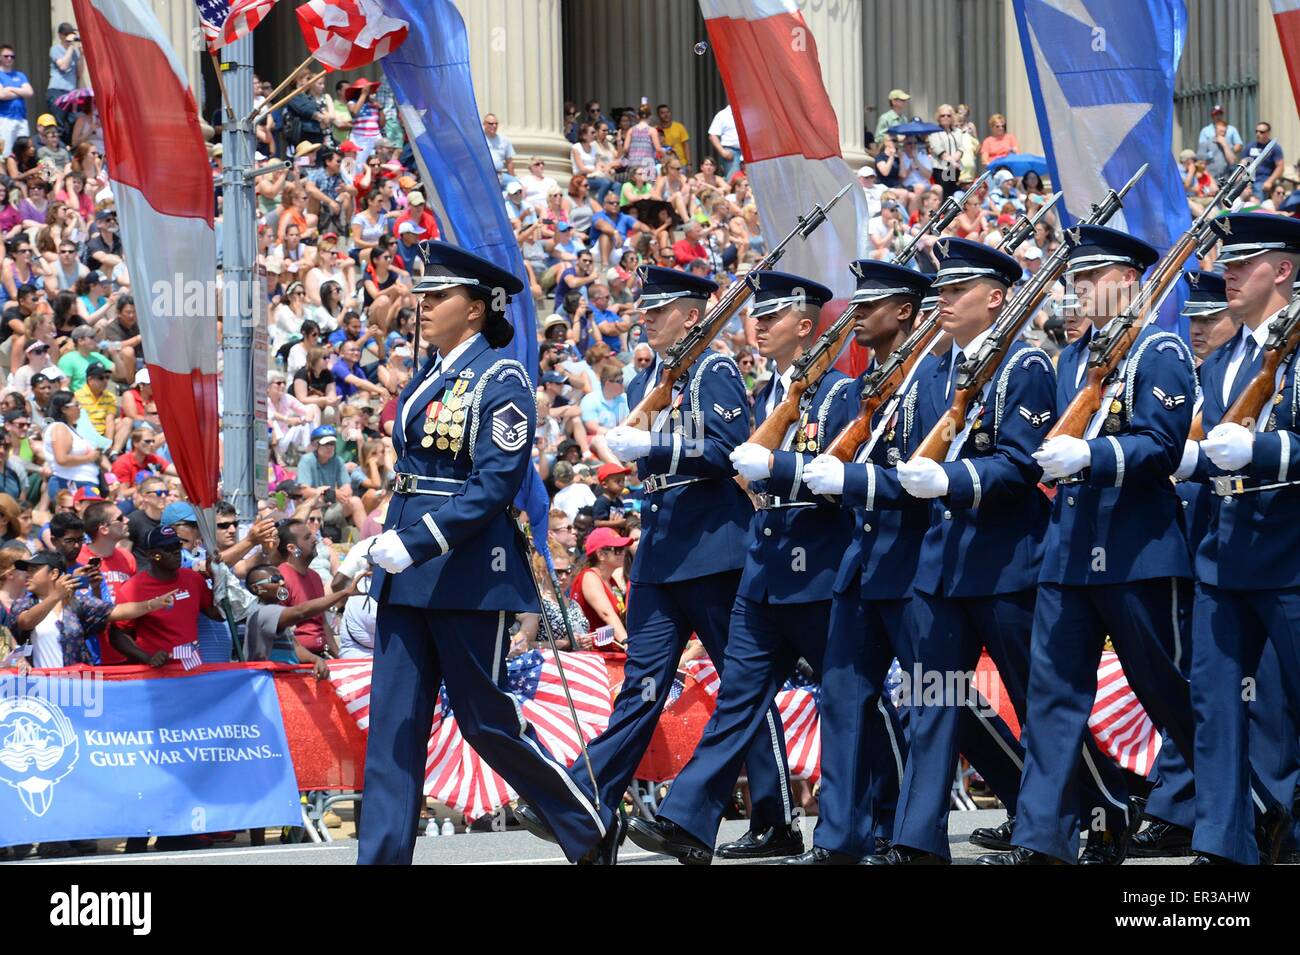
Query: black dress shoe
x,y
996,838
1018,855
666,837
1271,830
1104,847
1289,857
1207,859
605,852
534,824
882,845
902,855
819,856
1161,840
775,843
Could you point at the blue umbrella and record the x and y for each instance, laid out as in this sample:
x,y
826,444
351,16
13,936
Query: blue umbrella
x,y
1020,163
915,128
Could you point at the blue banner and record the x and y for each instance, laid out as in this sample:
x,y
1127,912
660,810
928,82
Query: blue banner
x,y
431,81
1102,76
88,758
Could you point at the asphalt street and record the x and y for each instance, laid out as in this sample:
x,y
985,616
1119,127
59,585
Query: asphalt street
x,y
504,848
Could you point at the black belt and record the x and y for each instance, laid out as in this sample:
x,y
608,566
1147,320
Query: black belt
x,y
419,484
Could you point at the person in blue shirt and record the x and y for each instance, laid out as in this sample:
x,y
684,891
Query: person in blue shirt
x,y
15,90
610,227
608,511
608,407
605,317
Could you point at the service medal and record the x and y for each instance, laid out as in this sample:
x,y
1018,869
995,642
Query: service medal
x,y
1277,398
893,456
982,441
455,431
443,444
1116,406
812,447
1112,423
426,441
458,415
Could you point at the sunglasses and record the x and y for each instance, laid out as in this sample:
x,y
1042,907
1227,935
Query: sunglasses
x,y
162,493
563,571
226,525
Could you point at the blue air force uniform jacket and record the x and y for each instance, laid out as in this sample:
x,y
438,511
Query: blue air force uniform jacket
x,y
698,525
460,535
986,534
1122,521
889,524
794,551
1253,539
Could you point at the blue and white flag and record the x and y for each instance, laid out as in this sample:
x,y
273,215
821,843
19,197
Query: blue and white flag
x,y
431,83
1102,77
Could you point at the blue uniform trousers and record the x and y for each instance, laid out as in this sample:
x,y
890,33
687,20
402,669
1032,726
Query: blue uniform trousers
x,y
416,650
863,749
765,643
1071,623
1274,751
1231,629
947,634
660,620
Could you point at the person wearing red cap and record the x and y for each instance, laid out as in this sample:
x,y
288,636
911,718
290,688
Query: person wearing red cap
x,y
597,588
608,509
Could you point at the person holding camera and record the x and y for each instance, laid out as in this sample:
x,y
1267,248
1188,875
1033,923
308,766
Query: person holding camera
x,y
66,62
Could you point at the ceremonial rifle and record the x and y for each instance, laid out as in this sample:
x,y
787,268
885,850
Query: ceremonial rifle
x,y
975,373
682,355
1283,341
812,365
889,380
1109,350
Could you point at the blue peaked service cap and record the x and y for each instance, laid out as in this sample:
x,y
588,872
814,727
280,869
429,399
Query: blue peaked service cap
x,y
774,291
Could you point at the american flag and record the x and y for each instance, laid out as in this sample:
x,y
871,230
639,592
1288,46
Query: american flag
x,y
349,34
225,21
1118,722
188,655
454,773
797,703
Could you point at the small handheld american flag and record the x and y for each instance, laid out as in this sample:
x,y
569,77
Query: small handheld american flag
x,y
602,636
188,655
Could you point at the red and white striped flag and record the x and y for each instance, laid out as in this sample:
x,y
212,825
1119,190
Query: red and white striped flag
x,y
162,182
1286,17
789,134
225,21
1118,722
349,34
457,775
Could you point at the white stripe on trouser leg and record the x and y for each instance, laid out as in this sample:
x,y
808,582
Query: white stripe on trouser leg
x,y
578,794
780,766
496,655
1119,804
980,707
1178,635
893,739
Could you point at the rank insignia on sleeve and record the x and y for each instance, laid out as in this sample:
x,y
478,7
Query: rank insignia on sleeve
x,y
1169,401
731,415
1035,419
509,428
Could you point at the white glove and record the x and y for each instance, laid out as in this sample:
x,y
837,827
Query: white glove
x,y
627,443
923,478
1230,446
1063,456
824,474
389,553
1187,466
752,461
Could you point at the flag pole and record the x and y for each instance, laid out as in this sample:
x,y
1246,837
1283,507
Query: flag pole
x,y
271,107
221,82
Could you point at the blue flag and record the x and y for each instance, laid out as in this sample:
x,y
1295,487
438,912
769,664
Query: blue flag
x,y
431,83
1102,77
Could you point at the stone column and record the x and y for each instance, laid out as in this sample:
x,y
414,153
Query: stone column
x,y
1276,104
516,57
837,28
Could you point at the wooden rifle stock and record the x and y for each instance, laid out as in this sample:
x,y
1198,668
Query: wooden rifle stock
x,y
1254,400
1197,432
945,430
858,431
772,431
